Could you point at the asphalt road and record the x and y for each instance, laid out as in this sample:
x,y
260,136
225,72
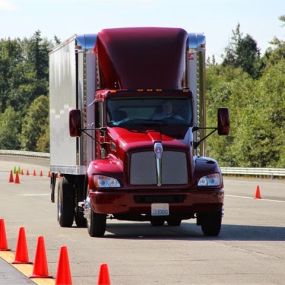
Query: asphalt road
x,y
249,250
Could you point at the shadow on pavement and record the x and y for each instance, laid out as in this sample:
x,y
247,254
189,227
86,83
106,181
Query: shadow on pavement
x,y
188,231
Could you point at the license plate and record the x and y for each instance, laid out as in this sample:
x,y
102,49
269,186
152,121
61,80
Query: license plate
x,y
161,209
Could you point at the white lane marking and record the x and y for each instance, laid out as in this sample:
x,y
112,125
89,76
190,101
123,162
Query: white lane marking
x,y
34,194
262,199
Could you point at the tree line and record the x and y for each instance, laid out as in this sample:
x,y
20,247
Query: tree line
x,y
253,88
250,85
24,93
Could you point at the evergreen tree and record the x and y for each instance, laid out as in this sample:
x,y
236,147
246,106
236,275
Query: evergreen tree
x,y
35,124
243,52
10,128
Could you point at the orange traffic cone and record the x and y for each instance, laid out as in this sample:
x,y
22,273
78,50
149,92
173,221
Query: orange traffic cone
x,y
257,193
11,178
41,173
40,269
3,238
49,174
34,173
22,255
17,178
22,172
104,278
63,276
28,172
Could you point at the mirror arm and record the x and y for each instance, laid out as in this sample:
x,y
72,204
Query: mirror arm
x,y
196,144
92,129
84,131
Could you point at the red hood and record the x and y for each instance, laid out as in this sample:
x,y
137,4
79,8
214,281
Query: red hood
x,y
127,139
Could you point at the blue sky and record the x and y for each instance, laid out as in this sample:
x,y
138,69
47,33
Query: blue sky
x,y
215,18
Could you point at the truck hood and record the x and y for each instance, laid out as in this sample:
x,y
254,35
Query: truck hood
x,y
127,139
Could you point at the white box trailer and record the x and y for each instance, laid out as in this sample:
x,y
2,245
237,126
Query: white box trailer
x,y
72,69
74,77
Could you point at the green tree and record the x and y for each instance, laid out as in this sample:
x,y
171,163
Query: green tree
x,y
35,124
23,78
37,50
10,58
9,131
277,52
243,52
232,88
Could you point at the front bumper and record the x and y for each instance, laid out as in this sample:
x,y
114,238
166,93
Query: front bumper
x,y
182,203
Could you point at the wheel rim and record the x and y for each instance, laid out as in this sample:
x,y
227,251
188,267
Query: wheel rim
x,y
87,210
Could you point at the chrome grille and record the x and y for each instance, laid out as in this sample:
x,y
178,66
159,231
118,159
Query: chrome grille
x,y
143,168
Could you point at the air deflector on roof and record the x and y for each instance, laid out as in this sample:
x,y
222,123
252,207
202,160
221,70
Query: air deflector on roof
x,y
131,58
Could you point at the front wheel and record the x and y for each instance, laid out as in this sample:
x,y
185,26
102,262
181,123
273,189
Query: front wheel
x,y
211,223
96,224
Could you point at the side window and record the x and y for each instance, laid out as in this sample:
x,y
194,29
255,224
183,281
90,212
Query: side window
x,y
99,118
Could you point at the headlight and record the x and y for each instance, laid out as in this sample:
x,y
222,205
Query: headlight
x,y
102,181
210,180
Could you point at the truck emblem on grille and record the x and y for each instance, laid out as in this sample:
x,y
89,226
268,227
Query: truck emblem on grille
x,y
158,150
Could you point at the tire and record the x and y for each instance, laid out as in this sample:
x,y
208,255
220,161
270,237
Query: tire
x,y
52,187
211,223
174,222
65,203
157,222
96,224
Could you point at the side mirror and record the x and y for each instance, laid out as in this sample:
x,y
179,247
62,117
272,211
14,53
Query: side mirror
x,y
223,122
75,123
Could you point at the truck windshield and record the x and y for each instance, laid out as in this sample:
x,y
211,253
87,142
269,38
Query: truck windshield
x,y
149,111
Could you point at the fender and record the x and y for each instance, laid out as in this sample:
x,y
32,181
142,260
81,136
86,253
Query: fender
x,y
110,166
205,166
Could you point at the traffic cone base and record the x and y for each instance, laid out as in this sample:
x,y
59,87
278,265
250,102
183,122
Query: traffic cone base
x,y
104,278
22,256
63,275
3,237
257,193
40,269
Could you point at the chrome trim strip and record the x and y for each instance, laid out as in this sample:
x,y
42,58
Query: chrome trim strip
x,y
158,150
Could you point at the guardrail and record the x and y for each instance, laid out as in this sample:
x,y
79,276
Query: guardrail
x,y
24,153
250,171
243,171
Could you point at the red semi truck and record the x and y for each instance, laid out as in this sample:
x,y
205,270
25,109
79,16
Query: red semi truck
x,y
127,130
